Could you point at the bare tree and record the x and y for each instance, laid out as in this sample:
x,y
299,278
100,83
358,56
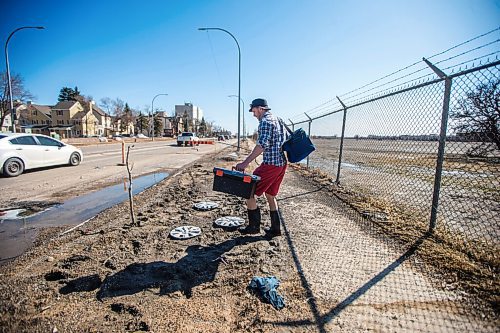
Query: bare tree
x,y
18,93
130,192
107,104
477,115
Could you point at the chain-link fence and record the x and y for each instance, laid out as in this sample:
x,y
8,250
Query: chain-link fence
x,y
423,157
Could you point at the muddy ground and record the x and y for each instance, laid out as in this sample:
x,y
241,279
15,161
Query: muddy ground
x,y
111,276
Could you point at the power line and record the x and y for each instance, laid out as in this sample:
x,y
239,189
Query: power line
x,y
468,41
215,60
325,107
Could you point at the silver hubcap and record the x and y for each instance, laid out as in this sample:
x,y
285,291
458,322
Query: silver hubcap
x,y
230,221
205,205
185,232
14,167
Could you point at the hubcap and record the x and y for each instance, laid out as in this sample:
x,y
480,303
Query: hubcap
x,y
14,167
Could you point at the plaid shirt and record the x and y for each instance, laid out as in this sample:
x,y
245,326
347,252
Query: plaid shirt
x,y
271,137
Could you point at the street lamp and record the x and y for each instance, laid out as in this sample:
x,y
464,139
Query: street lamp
x,y
153,115
243,103
12,113
239,76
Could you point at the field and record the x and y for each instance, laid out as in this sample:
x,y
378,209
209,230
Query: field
x,y
397,178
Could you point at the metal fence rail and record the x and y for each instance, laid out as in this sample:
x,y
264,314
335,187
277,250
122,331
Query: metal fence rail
x,y
413,156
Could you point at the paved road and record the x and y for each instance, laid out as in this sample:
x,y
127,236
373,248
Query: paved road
x,y
99,168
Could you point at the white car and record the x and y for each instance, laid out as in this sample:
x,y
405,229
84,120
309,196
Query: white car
x,y
23,151
141,136
187,138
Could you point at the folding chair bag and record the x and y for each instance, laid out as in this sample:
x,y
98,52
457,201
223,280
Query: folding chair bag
x,y
298,145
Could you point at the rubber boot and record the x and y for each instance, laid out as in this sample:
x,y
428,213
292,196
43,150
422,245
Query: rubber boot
x,y
275,229
253,222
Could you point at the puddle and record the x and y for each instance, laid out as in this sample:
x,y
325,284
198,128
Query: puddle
x,y
328,165
18,232
11,214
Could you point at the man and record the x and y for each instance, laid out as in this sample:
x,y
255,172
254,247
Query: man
x,y
271,171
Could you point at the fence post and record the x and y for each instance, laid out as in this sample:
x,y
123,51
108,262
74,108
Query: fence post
x,y
308,133
337,181
442,143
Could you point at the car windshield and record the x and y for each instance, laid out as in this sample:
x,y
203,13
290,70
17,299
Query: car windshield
x,y
187,134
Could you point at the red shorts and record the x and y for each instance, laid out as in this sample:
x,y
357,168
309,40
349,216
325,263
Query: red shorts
x,y
271,177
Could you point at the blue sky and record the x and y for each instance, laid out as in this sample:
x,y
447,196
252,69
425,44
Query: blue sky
x,y
297,54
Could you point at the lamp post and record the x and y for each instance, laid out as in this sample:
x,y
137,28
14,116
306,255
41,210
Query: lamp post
x,y
153,115
12,113
243,103
239,76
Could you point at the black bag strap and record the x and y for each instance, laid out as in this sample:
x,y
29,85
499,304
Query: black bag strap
x,y
287,128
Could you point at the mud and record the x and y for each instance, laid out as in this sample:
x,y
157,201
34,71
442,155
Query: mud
x,y
109,275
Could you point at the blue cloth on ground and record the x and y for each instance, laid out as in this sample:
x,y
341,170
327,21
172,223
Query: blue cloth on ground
x,y
266,287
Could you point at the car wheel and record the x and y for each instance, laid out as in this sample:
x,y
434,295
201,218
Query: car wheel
x,y
74,159
179,143
13,167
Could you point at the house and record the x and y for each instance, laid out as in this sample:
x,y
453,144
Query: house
x,y
35,118
71,119
104,126
122,125
169,123
7,123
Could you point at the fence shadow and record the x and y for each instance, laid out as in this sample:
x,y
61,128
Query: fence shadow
x,y
321,320
301,194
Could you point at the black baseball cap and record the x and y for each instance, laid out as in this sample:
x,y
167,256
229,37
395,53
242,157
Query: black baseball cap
x,y
259,102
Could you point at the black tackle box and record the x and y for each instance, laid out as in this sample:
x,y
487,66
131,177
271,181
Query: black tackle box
x,y
235,182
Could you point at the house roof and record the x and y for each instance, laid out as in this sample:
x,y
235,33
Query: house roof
x,y
80,114
64,105
45,109
98,110
35,126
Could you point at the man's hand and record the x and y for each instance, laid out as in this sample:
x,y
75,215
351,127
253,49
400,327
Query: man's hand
x,y
241,166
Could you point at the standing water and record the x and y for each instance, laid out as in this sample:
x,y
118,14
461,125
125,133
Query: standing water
x,y
17,233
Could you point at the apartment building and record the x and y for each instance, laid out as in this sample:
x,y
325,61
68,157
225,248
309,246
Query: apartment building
x,y
190,113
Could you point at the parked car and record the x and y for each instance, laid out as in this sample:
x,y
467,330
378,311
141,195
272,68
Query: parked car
x,y
187,138
117,137
141,136
23,151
